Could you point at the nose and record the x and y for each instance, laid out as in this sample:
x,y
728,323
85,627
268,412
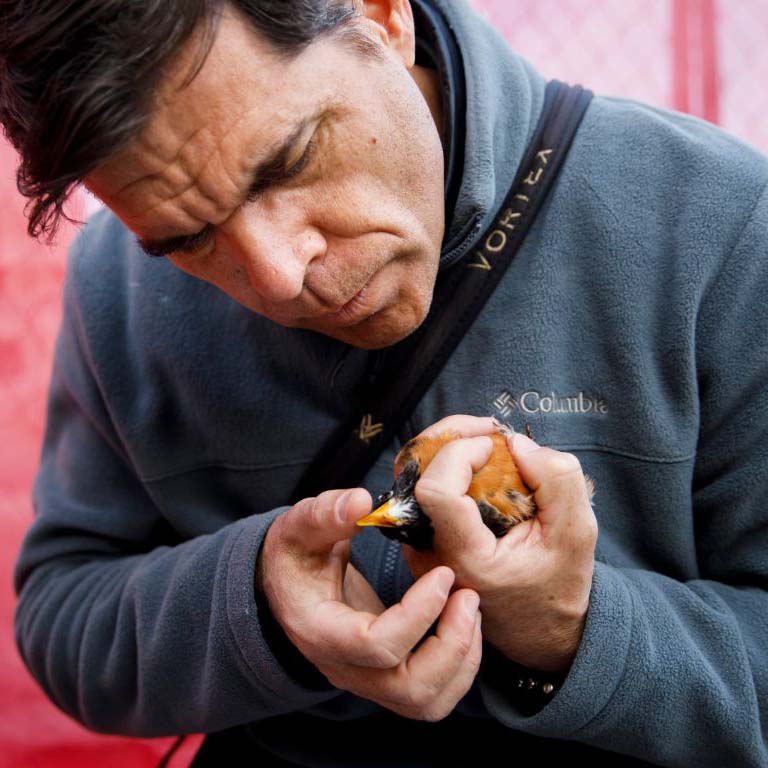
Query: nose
x,y
275,245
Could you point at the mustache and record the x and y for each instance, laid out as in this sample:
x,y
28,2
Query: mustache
x,y
331,299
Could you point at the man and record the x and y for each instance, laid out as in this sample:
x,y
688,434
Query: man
x,y
309,182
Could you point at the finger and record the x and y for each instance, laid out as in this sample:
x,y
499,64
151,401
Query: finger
x,y
341,633
455,463
314,525
441,493
460,425
439,657
359,594
555,477
463,424
431,680
458,686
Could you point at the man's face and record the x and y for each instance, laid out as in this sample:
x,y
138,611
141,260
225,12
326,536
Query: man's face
x,y
342,232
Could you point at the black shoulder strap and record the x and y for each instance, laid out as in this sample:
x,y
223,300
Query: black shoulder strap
x,y
459,296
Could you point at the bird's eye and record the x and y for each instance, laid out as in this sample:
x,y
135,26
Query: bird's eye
x,y
382,498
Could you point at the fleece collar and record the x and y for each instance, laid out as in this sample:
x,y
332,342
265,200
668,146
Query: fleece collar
x,y
504,97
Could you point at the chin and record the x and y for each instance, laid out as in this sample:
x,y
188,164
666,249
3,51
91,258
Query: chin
x,y
381,330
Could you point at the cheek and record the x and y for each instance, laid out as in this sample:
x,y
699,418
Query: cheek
x,y
226,275
209,269
417,277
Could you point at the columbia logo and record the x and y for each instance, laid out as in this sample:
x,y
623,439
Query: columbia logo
x,y
532,401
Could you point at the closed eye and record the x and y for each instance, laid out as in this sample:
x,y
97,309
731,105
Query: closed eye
x,y
279,175
199,242
271,176
203,238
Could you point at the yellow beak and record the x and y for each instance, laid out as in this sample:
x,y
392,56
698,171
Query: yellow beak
x,y
380,516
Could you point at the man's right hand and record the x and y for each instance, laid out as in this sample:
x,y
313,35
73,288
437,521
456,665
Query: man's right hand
x,y
342,627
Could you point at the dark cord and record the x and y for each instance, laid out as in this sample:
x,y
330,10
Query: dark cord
x,y
164,763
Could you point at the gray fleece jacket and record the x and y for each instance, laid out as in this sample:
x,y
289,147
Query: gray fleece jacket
x,y
631,329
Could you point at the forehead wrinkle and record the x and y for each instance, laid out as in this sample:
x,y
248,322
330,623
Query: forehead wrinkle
x,y
196,174
216,184
221,180
219,154
202,199
147,159
186,207
219,211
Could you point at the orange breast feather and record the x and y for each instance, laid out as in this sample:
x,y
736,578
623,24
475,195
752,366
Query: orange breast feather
x,y
497,487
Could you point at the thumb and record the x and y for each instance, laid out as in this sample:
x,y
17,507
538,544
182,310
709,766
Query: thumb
x,y
555,477
522,445
317,524
527,460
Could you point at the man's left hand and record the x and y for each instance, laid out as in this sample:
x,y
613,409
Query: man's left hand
x,y
534,582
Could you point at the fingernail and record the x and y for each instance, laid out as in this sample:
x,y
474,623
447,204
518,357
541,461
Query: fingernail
x,y
487,443
470,605
523,444
340,507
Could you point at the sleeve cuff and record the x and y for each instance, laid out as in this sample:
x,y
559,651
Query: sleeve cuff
x,y
270,656
595,673
287,654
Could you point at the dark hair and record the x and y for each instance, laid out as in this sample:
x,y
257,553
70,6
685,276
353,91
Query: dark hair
x,y
77,79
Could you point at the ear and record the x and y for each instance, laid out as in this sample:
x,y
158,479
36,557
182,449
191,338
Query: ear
x,y
391,21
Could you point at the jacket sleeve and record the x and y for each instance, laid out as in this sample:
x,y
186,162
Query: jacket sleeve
x,y
671,672
126,628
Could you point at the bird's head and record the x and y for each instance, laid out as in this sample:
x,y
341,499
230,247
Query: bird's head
x,y
397,513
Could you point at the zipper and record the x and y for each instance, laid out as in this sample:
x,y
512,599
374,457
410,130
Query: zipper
x,y
463,242
390,560
376,364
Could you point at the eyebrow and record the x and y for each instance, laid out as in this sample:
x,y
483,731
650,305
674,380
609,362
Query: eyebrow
x,y
269,171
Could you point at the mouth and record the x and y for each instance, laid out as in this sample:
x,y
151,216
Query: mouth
x,y
358,307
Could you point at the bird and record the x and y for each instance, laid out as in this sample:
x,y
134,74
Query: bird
x,y
502,497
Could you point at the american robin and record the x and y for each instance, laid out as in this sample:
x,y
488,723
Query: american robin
x,y
500,494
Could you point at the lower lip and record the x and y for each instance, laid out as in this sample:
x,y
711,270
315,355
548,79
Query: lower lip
x,y
357,308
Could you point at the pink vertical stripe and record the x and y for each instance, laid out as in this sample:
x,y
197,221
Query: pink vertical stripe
x,y
680,55
710,81
695,84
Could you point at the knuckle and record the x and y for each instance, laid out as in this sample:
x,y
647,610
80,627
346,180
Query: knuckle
x,y
447,422
488,578
301,507
464,645
315,513
384,658
419,697
564,463
304,633
368,652
475,655
457,448
428,488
